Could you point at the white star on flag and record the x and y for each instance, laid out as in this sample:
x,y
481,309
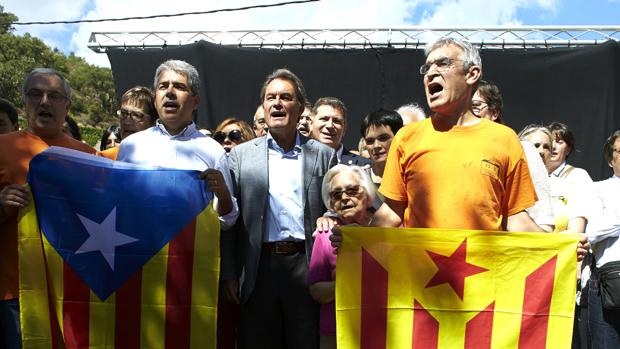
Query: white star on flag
x,y
104,237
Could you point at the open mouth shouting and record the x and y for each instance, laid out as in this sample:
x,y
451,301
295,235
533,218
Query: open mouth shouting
x,y
434,90
171,107
278,114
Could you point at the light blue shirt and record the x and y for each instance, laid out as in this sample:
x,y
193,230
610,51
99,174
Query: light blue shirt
x,y
285,210
187,150
603,227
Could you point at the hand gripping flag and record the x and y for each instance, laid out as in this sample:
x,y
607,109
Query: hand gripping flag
x,y
116,255
440,288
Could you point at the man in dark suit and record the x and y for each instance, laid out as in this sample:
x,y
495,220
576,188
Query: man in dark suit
x,y
329,124
277,180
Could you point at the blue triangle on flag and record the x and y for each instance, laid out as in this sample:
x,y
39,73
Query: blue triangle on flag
x,y
107,219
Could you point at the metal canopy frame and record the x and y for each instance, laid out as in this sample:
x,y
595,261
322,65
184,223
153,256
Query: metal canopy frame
x,y
414,37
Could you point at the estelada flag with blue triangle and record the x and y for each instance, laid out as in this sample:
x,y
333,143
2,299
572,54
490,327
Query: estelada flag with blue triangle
x,y
116,255
442,288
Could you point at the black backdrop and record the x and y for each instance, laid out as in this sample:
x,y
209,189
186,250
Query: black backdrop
x,y
577,86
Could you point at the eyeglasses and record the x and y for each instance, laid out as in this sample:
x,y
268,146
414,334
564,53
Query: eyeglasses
x,y
36,96
441,64
134,115
353,190
233,135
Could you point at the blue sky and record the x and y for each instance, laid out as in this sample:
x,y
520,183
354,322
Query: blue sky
x,y
317,15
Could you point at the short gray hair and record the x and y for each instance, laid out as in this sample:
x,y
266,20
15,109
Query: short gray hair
x,y
183,68
414,108
529,129
470,55
45,71
363,178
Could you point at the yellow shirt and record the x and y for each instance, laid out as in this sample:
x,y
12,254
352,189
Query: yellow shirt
x,y
470,177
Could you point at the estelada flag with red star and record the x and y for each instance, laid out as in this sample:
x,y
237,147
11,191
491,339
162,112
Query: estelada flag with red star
x,y
442,288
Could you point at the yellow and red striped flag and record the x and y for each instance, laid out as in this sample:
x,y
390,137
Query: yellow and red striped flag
x,y
442,288
117,256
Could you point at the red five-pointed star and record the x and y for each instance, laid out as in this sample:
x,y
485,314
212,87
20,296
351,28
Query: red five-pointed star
x,y
453,269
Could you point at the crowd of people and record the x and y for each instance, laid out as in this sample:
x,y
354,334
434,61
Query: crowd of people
x,y
284,185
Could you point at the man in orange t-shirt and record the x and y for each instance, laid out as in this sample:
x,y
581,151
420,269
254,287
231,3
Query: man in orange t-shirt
x,y
47,98
137,113
455,170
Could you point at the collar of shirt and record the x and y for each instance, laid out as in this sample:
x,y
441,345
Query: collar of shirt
x,y
186,132
272,144
558,171
339,152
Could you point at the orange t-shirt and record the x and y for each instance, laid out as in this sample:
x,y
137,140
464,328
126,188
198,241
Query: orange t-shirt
x,y
111,153
18,148
461,177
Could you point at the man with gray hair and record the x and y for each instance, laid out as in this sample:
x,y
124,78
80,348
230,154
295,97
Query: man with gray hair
x,y
175,142
278,183
474,171
47,98
411,112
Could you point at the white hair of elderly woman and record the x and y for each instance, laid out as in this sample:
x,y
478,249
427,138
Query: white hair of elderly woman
x,y
363,180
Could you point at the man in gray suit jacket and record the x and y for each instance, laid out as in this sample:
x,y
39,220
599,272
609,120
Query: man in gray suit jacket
x,y
277,181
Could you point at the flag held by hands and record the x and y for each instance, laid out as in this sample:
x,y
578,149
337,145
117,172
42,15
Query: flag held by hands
x,y
440,288
116,255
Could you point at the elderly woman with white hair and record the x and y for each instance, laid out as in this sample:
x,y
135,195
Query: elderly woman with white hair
x,y
348,192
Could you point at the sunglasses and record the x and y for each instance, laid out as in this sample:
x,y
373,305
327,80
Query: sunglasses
x,y
233,135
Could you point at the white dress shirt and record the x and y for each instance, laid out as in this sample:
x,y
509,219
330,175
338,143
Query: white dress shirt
x,y
187,150
574,186
285,211
603,227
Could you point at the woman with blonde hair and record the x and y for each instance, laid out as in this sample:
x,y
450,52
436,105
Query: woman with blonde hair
x,y
232,132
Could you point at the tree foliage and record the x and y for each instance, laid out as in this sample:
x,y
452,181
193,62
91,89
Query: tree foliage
x,y
6,20
93,103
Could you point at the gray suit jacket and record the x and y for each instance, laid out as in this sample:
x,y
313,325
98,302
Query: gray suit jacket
x,y
241,248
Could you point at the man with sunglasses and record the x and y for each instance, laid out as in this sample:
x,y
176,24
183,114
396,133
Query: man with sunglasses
x,y
137,113
47,97
175,142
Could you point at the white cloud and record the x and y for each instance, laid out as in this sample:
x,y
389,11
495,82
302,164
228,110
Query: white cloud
x,y
482,12
326,14
40,10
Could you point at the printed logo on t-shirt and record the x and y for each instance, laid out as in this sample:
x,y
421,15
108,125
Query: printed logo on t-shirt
x,y
488,168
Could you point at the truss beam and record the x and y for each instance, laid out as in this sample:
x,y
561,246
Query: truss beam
x,y
488,37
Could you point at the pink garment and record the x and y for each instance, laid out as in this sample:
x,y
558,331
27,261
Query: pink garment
x,y
323,268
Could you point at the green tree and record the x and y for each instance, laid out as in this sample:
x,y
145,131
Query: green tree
x,y
6,21
93,102
18,56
